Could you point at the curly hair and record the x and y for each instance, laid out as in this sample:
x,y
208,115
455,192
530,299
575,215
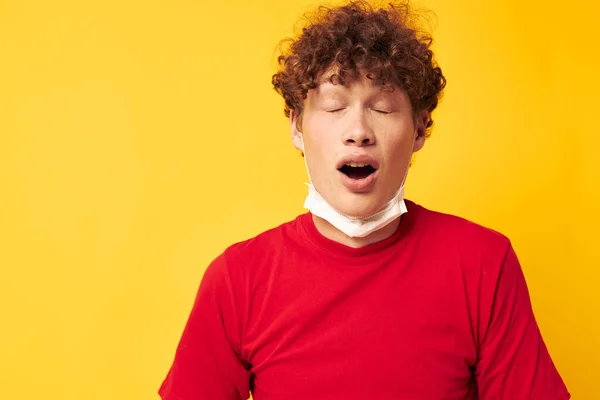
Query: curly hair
x,y
383,43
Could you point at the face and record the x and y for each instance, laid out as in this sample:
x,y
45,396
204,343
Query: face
x,y
358,143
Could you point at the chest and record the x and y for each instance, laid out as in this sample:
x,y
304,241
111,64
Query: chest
x,y
383,334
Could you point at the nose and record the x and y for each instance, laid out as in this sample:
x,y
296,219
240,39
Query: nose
x,y
359,131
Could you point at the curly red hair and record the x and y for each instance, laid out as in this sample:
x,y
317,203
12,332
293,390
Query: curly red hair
x,y
355,39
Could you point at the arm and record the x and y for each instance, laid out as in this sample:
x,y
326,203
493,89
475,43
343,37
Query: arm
x,y
206,364
513,362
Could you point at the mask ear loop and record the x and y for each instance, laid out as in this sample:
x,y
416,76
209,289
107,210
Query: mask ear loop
x,y
305,163
401,190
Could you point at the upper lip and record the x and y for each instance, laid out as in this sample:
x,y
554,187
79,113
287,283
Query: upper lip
x,y
358,159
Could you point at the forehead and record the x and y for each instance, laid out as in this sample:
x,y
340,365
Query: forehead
x,y
359,86
329,81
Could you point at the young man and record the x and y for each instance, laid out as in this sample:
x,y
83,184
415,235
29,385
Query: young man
x,y
367,296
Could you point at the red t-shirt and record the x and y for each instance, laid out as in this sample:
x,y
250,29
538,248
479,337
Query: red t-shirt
x,y
439,310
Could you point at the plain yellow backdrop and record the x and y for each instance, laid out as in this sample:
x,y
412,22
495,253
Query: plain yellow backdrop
x,y
139,138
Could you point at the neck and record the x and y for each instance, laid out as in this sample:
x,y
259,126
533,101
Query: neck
x,y
332,233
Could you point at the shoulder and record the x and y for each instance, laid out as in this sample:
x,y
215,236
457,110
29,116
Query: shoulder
x,y
458,234
473,256
258,251
271,240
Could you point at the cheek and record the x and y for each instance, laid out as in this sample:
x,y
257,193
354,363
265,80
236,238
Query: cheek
x,y
398,149
321,134
317,144
318,124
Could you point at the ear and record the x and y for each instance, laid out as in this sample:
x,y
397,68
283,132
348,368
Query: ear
x,y
421,129
296,134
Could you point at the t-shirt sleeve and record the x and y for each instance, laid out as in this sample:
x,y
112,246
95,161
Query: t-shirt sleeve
x,y
207,365
513,361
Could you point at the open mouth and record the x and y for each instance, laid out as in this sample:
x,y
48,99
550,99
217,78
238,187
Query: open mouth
x,y
357,171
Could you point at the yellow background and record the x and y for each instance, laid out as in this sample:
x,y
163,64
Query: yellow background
x,y
139,138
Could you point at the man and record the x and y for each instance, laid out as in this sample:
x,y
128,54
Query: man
x,y
367,296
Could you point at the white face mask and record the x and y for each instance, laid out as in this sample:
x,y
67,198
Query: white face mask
x,y
355,226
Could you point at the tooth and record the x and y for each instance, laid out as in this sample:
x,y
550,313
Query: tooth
x,y
355,165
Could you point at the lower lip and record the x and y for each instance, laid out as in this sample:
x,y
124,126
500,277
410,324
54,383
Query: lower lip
x,y
357,185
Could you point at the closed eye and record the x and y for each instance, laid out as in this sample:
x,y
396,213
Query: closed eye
x,y
335,110
383,111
